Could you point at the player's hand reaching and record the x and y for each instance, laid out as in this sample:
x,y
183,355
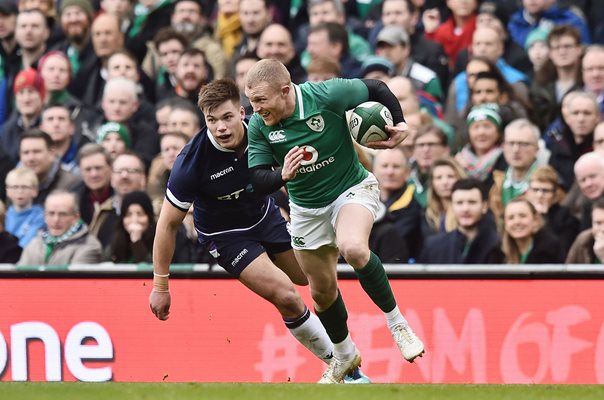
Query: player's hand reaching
x,y
160,304
291,163
397,133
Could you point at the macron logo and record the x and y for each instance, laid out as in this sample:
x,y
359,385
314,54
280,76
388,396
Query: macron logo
x,y
221,173
239,257
277,136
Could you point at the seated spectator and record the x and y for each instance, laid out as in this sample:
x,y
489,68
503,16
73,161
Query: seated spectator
x,y
520,148
55,69
559,75
36,153
57,122
65,240
96,195
391,171
114,137
133,238
394,44
29,94
242,65
544,193
321,69
574,135
483,154
430,144
593,72
184,119
589,172
120,104
524,241
330,40
10,251
123,64
537,48
455,34
546,12
171,144
24,218
588,248
438,215
475,240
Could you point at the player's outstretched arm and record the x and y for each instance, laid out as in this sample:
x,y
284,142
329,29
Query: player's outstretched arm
x,y
164,243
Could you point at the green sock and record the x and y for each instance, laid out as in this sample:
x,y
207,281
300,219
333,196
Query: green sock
x,y
374,281
334,320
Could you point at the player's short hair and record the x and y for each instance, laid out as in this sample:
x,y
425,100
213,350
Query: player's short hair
x,y
22,175
469,184
212,95
90,149
268,70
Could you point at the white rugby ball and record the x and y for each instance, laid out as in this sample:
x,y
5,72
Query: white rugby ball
x,y
368,122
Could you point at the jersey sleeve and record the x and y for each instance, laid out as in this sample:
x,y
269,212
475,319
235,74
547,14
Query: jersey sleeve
x,y
344,94
259,151
181,186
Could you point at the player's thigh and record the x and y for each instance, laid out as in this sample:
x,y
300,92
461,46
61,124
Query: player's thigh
x,y
310,228
287,262
355,211
266,280
320,266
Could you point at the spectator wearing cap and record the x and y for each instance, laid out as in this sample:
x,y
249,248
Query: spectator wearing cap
x,y
537,49
330,40
543,13
114,137
75,19
376,67
29,94
455,34
559,75
393,43
31,33
406,14
491,14
483,154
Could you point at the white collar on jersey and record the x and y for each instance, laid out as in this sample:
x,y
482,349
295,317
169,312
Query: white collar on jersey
x,y
218,146
300,102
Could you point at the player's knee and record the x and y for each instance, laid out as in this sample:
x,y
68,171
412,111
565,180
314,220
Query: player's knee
x,y
325,296
288,300
355,253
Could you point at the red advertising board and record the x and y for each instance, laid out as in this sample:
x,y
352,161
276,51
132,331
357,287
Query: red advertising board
x,y
475,331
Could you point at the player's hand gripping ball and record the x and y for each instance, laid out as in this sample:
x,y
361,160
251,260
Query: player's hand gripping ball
x,y
368,122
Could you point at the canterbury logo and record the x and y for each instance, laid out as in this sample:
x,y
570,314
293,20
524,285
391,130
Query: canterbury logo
x,y
277,136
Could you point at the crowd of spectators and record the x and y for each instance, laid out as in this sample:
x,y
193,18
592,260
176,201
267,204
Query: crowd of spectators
x,y
504,162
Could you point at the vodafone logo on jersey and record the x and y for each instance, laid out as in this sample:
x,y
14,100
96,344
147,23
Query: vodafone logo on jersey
x,y
309,160
309,156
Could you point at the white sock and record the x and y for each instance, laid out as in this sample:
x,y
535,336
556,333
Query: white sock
x,y
395,317
345,349
313,336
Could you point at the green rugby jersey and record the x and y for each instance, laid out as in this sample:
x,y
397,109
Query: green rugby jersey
x,y
318,124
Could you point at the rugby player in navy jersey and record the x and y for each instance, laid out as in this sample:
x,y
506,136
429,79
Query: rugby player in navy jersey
x,y
240,227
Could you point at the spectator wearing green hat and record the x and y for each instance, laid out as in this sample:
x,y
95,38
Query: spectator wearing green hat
x,y
483,154
114,137
537,48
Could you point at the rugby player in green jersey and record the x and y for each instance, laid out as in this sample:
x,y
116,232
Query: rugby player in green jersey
x,y
333,199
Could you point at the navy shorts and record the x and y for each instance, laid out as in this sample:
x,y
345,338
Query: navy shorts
x,y
234,251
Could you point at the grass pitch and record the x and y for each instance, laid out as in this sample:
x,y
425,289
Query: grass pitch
x,y
254,391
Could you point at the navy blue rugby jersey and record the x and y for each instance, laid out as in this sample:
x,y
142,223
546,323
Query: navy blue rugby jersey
x,y
217,182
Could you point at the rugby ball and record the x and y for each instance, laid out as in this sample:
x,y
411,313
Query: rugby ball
x,y
368,122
